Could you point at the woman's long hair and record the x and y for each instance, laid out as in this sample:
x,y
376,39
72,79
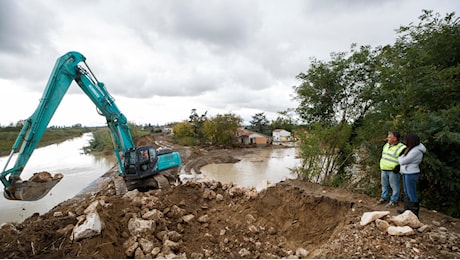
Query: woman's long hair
x,y
411,140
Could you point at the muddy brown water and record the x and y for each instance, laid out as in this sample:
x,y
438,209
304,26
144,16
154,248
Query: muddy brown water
x,y
67,158
80,170
256,170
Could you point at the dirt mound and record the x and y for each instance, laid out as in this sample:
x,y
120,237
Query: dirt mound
x,y
211,220
292,219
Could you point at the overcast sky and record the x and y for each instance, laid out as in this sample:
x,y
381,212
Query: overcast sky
x,y
161,59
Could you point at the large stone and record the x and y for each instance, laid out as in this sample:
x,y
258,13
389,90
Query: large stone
x,y
90,228
154,214
408,218
139,227
400,231
368,217
381,224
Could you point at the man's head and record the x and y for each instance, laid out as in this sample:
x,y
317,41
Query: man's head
x,y
393,137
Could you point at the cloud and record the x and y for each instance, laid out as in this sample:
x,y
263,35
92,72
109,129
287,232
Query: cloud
x,y
234,55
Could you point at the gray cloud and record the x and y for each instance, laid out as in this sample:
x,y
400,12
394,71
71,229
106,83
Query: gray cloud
x,y
235,54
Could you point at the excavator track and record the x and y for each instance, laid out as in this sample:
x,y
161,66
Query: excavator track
x,y
162,181
159,181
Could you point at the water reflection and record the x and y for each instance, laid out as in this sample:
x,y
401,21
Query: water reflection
x,y
67,158
256,170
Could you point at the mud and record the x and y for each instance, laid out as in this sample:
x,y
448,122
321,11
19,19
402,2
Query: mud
x,y
292,219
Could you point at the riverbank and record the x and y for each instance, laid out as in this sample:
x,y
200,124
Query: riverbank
x,y
208,219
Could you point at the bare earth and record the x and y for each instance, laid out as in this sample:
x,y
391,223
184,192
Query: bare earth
x,y
212,220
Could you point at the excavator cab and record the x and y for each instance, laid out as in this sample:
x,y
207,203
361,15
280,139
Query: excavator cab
x,y
140,162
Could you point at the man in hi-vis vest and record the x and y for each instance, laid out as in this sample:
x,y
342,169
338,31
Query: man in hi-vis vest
x,y
389,165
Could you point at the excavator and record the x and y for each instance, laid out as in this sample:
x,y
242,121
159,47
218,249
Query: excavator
x,y
141,167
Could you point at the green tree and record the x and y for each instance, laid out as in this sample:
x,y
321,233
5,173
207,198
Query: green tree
x,y
410,86
260,124
284,121
335,96
423,77
197,122
184,134
221,129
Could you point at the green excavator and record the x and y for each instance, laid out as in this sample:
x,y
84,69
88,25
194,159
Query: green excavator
x,y
140,167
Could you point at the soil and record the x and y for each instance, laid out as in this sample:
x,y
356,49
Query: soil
x,y
207,219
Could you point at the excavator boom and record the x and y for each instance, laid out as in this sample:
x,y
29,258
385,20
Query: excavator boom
x,y
66,70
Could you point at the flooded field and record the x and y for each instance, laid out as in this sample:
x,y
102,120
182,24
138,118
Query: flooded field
x,y
256,170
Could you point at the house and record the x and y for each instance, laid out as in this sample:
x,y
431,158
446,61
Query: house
x,y
281,135
245,136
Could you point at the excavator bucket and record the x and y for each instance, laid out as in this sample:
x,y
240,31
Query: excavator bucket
x,y
33,189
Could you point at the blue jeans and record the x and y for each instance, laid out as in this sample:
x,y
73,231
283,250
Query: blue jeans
x,y
390,179
410,186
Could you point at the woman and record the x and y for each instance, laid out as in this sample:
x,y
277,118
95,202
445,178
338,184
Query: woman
x,y
410,169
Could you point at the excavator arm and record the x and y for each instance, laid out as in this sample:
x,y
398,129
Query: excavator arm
x,y
66,70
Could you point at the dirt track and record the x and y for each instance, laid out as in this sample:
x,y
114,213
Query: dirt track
x,y
211,220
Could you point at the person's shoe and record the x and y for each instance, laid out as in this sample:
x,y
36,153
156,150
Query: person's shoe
x,y
401,211
382,201
391,204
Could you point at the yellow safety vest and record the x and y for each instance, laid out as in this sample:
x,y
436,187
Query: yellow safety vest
x,y
390,156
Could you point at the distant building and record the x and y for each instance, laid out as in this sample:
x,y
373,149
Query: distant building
x,y
281,135
245,136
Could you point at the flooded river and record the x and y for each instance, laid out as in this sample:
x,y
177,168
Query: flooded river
x,y
67,158
256,170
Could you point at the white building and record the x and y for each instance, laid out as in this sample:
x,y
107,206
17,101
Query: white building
x,y
281,135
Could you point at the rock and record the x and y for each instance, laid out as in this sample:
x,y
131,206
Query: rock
x,y
139,254
154,214
381,224
92,207
130,195
139,227
188,218
131,248
368,217
244,252
169,245
400,231
250,218
176,211
301,252
65,230
408,218
174,236
203,219
155,251
58,214
90,228
146,245
424,228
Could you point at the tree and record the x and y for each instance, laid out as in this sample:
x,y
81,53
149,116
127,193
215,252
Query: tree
x,y
284,121
260,123
410,86
423,77
221,129
197,123
184,134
